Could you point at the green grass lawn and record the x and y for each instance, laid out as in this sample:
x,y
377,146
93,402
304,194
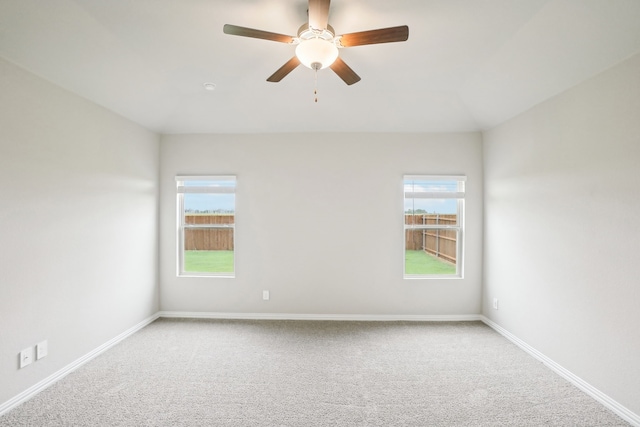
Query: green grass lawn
x,y
208,261
419,262
416,262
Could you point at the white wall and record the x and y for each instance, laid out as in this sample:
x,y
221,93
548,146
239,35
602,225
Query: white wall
x,y
562,230
320,223
78,226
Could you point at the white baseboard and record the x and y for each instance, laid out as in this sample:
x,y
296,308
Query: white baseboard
x,y
338,317
51,379
608,402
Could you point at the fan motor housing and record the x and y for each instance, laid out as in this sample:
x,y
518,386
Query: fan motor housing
x,y
306,33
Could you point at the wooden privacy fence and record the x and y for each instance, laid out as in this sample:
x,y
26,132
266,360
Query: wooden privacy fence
x,y
211,239
440,243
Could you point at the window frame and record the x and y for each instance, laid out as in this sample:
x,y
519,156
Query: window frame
x,y
459,195
182,226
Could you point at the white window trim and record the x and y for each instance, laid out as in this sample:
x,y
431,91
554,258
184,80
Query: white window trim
x,y
460,227
181,226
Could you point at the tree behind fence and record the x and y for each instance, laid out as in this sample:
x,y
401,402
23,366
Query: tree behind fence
x,y
440,243
217,239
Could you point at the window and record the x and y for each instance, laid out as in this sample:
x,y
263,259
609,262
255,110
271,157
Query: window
x,y
433,226
206,225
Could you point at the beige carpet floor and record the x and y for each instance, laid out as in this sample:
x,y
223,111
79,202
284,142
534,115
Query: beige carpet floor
x,y
310,373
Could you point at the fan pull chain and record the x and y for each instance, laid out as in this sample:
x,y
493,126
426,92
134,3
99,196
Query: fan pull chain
x,y
315,90
315,67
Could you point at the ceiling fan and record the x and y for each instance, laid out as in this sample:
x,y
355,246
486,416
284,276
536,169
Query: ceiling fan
x,y
317,44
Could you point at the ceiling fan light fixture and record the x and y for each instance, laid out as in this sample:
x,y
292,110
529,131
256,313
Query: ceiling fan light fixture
x,y
316,51
317,44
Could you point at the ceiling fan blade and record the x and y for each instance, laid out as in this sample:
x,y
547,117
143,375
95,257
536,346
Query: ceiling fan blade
x,y
383,35
344,72
234,30
284,70
319,14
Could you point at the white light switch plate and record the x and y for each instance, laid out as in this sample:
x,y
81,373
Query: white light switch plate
x,y
26,357
42,349
265,295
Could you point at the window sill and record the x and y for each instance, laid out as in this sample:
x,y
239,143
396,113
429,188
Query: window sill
x,y
209,276
431,277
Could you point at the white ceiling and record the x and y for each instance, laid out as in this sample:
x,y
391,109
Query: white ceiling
x,y
468,64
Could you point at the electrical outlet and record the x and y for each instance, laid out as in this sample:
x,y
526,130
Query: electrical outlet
x,y
26,357
42,349
265,295
495,303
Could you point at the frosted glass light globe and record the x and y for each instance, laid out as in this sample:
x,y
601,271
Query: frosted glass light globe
x,y
316,51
